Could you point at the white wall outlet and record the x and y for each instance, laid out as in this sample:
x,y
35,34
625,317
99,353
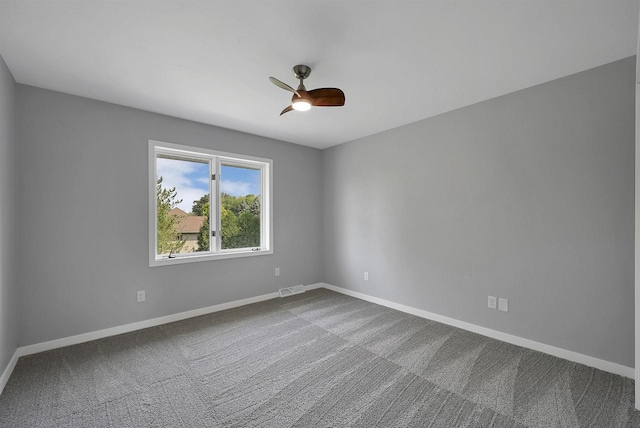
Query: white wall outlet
x,y
492,302
503,305
366,276
277,271
140,297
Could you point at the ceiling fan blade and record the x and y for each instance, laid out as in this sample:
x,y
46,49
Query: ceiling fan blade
x,y
287,109
283,85
326,97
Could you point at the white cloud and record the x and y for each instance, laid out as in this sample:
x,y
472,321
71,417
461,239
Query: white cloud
x,y
185,177
188,195
235,188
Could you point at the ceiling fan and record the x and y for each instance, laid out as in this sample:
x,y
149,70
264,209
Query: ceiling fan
x,y
303,100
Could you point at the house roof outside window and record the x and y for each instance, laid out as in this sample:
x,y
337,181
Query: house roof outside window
x,y
187,223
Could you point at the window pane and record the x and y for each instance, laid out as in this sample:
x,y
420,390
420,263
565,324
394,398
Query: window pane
x,y
240,201
183,205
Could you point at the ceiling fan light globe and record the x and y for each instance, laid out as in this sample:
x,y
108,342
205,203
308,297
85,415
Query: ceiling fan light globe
x,y
301,105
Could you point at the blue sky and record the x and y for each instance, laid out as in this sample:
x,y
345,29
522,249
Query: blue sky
x,y
240,181
191,180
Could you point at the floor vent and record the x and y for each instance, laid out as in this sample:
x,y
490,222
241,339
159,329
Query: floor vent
x,y
290,291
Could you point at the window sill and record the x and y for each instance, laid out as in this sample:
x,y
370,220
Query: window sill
x,y
166,261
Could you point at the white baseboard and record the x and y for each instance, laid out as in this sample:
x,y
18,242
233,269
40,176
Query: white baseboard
x,y
515,340
113,331
8,370
597,363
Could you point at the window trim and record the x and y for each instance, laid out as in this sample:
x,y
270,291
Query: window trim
x,y
217,158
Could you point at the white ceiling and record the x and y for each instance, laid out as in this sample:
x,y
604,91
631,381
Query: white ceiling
x,y
397,61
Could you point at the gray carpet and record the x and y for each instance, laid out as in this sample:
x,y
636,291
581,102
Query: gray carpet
x,y
319,359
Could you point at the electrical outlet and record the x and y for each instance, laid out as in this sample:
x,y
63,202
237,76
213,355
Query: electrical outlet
x,y
366,276
492,302
277,271
503,305
140,297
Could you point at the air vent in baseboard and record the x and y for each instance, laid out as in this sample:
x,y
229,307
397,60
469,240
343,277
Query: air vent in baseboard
x,y
290,291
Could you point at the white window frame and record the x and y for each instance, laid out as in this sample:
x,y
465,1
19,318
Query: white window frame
x,y
216,160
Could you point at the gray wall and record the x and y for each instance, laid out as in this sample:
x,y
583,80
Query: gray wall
x,y
8,252
529,197
82,170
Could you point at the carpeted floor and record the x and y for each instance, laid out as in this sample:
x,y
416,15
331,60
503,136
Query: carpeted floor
x,y
319,359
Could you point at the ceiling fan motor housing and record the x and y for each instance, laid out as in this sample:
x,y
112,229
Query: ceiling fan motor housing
x,y
301,71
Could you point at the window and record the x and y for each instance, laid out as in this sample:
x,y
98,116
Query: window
x,y
207,205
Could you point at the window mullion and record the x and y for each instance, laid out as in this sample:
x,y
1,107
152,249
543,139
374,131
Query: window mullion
x,y
218,207
212,212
